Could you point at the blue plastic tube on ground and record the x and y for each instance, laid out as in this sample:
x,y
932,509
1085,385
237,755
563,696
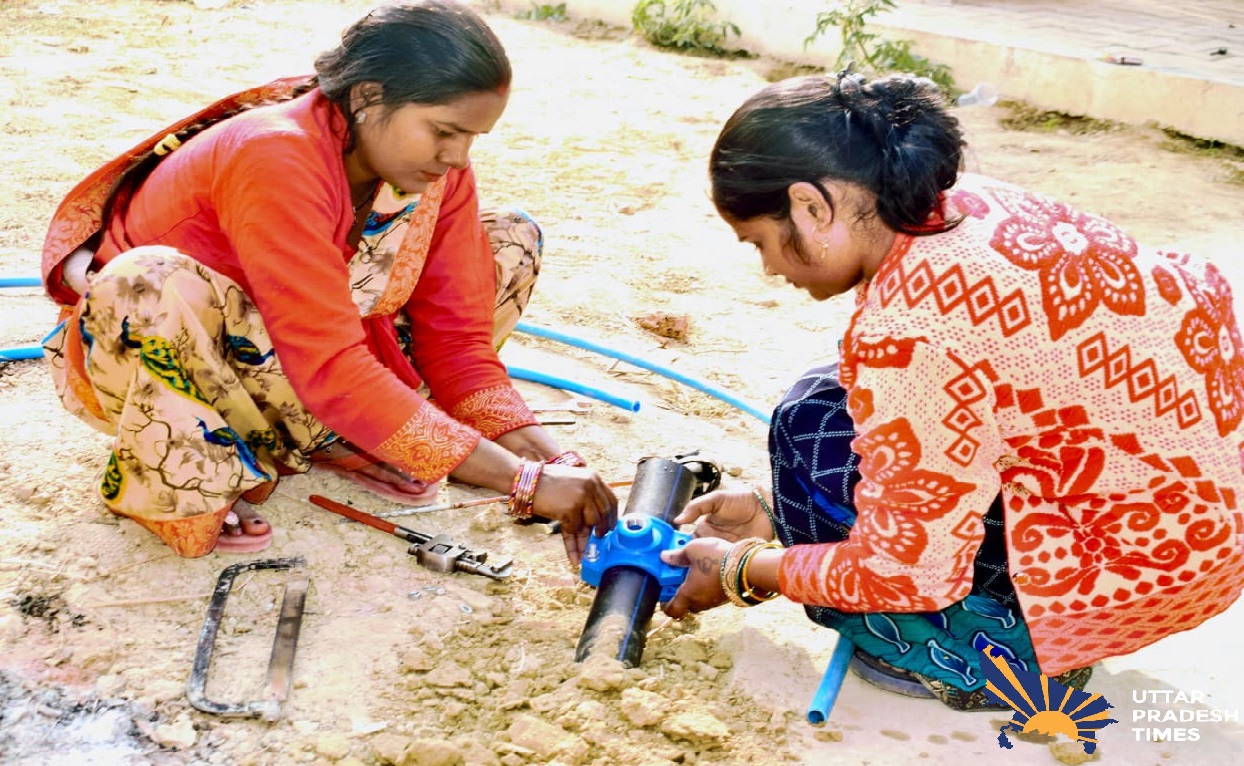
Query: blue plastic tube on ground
x,y
20,282
522,373
831,683
699,385
21,352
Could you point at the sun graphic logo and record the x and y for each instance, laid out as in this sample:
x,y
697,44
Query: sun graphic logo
x,y
1042,705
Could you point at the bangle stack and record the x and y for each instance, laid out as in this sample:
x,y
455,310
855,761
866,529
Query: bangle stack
x,y
739,591
523,491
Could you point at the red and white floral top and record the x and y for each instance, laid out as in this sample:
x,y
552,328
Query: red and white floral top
x,y
1039,352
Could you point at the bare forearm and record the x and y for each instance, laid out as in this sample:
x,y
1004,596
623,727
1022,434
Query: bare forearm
x,y
531,442
489,465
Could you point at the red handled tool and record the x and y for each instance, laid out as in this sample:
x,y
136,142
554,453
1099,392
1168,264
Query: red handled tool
x,y
438,553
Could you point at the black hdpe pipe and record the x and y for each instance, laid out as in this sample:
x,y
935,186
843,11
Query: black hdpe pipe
x,y
627,595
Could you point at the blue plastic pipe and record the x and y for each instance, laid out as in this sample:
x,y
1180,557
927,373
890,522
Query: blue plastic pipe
x,y
836,672
630,405
21,352
699,385
831,683
521,373
20,282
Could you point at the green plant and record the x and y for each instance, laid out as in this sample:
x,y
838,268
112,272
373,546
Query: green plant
x,y
683,24
544,12
1024,116
868,52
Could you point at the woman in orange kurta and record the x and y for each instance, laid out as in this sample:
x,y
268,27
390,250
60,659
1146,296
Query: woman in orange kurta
x,y
1032,440
301,274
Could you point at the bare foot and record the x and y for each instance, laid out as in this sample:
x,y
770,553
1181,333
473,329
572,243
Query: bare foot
x,y
244,530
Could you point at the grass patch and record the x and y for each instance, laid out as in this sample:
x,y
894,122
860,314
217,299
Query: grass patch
x,y
1230,155
1024,116
784,70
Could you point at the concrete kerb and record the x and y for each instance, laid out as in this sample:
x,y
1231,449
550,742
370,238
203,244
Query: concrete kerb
x,y
1076,85
1092,88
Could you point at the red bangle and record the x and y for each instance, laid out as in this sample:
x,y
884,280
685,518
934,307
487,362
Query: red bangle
x,y
570,457
523,492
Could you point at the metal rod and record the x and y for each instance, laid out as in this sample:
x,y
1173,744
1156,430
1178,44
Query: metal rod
x,y
465,504
354,514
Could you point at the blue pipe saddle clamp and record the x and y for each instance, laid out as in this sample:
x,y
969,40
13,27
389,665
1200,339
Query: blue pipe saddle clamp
x,y
636,541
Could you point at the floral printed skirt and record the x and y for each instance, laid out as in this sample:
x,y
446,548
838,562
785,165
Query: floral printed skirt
x,y
196,400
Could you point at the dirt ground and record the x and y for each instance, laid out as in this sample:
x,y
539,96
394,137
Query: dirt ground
x,y
605,142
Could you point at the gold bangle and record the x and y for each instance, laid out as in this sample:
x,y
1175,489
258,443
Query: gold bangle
x,y
746,590
730,574
731,595
743,592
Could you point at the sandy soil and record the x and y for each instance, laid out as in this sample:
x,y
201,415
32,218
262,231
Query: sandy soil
x,y
605,143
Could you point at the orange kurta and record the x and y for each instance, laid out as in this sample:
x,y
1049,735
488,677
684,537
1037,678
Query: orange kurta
x,y
1039,352
262,198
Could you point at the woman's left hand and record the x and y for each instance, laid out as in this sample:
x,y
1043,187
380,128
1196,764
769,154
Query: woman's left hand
x,y
702,588
531,442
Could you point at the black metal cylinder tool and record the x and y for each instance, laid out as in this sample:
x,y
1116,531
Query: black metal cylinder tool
x,y
627,595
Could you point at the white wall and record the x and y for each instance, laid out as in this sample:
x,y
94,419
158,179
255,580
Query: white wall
x,y
1078,86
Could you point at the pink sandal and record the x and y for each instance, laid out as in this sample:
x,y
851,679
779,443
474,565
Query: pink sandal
x,y
345,460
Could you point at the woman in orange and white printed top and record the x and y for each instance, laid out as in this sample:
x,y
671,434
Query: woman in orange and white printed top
x,y
282,280
1033,437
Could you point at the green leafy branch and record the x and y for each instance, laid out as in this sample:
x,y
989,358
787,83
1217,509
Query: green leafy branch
x,y
867,51
683,24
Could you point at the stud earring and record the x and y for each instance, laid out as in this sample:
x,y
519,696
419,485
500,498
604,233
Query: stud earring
x,y
360,118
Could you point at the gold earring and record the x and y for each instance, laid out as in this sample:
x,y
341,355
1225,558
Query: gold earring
x,y
824,252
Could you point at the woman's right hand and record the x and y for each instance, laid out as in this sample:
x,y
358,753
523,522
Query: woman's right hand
x,y
581,500
729,514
